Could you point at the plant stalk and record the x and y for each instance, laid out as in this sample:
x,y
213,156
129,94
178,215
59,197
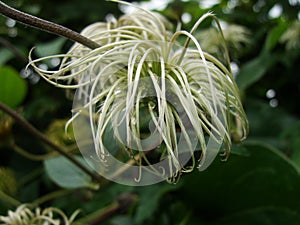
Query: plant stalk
x,y
9,200
31,129
50,196
13,49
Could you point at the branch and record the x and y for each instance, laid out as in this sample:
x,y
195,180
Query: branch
x,y
51,196
13,49
29,155
46,25
31,129
8,199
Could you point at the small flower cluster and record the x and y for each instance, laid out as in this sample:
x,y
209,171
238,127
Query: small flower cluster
x,y
25,216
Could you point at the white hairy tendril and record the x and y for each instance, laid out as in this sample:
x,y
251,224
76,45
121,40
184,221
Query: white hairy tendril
x,y
190,97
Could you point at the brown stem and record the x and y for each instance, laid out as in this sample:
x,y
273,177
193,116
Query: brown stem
x,y
31,129
121,205
110,210
98,216
46,25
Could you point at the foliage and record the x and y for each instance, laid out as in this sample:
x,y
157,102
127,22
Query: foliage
x,y
14,87
259,183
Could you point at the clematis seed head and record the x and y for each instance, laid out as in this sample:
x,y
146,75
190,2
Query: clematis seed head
x,y
146,104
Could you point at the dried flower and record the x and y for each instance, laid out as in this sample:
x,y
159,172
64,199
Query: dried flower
x,y
141,75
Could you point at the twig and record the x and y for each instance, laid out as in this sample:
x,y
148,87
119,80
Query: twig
x,y
52,195
29,155
109,211
32,175
31,129
46,25
8,199
13,49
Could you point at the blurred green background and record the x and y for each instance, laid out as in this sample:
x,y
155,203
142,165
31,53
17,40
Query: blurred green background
x,y
259,184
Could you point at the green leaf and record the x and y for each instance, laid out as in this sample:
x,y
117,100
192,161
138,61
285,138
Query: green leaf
x,y
274,35
121,220
50,48
239,150
65,174
260,113
254,70
149,200
290,137
13,88
266,178
262,216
